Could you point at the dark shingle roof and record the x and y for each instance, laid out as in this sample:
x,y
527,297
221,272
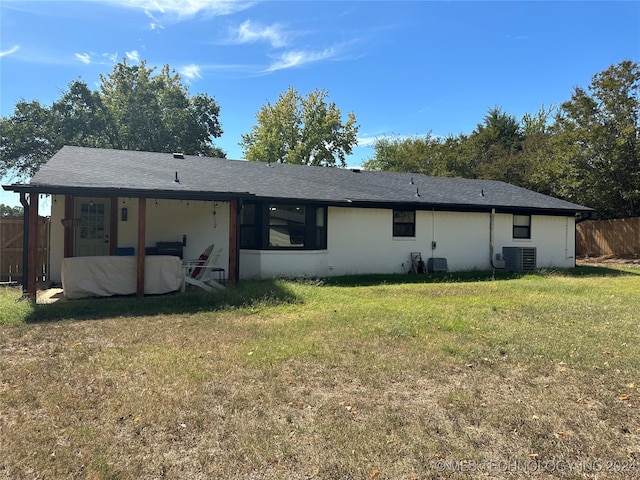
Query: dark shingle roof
x,y
152,174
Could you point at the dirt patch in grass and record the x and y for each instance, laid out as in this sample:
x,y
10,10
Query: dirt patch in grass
x,y
611,260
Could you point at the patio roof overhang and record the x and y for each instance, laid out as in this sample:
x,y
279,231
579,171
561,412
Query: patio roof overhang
x,y
29,194
87,191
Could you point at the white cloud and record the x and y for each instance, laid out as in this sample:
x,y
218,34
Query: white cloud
x,y
251,33
133,56
191,72
14,49
297,58
367,141
103,58
112,57
84,58
185,8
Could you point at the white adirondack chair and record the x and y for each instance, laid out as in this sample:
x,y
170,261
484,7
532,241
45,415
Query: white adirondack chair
x,y
199,273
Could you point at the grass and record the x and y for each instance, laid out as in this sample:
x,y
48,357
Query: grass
x,y
353,377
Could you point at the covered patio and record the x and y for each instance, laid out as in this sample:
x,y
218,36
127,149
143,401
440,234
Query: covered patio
x,y
136,235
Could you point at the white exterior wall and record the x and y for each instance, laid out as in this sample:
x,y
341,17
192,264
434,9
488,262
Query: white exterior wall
x,y
360,241
280,263
166,222
554,239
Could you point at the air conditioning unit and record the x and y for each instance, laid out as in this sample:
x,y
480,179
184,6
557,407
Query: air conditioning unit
x,y
519,259
436,264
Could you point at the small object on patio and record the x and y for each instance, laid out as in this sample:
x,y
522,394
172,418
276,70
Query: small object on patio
x,y
170,248
417,264
199,273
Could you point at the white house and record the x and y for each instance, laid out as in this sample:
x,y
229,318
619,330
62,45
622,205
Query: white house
x,y
289,220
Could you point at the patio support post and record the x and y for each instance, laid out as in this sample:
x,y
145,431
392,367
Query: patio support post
x,y
233,241
31,270
142,225
25,241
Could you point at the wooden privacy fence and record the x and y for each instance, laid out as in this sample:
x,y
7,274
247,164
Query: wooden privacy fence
x,y
596,238
11,240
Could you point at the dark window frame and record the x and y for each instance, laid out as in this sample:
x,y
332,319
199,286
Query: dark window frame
x,y
402,228
521,229
310,235
287,226
250,222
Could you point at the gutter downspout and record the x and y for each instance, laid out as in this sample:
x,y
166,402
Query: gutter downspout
x,y
433,234
491,239
579,218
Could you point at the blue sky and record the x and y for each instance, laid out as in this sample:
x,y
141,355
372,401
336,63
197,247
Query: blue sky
x,y
403,68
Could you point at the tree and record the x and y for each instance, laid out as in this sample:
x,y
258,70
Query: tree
x,y
489,152
27,139
302,131
494,144
426,154
418,154
134,110
543,168
599,134
9,211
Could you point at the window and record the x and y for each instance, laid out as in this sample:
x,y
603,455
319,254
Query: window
x,y
286,225
283,226
522,226
248,226
321,229
404,223
92,221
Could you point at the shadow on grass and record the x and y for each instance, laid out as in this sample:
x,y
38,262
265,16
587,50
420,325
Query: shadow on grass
x,y
272,292
593,271
247,294
473,276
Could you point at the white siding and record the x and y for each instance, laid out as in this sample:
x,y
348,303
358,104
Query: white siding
x,y
553,237
281,263
360,241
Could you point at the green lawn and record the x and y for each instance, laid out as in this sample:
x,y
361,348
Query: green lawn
x,y
450,376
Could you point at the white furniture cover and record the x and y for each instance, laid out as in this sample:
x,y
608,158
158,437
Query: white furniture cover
x,y
107,276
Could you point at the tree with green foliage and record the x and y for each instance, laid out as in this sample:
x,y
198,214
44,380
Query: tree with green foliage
x,y
494,144
418,154
9,211
599,135
543,169
424,154
135,109
27,139
302,131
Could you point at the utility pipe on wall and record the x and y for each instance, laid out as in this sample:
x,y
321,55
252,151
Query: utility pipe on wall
x,y
491,238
